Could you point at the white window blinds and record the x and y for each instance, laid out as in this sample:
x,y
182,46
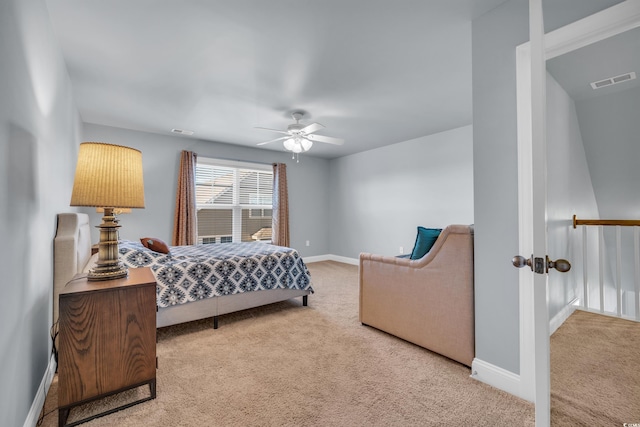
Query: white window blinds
x,y
234,201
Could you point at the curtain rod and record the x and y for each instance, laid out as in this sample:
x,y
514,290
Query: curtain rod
x,y
224,159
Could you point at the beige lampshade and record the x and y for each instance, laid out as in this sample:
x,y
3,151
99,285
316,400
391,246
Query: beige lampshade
x,y
108,175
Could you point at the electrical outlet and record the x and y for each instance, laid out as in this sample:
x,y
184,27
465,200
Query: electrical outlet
x,y
307,243
401,250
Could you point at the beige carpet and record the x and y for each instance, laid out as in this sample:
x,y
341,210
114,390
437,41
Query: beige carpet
x,y
595,371
288,365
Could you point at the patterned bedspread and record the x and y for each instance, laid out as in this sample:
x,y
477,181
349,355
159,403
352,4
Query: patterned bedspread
x,y
191,273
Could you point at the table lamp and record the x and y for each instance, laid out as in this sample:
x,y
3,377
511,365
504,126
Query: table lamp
x,y
108,176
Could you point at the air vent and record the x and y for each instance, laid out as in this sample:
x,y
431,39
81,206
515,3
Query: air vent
x,y
182,131
613,80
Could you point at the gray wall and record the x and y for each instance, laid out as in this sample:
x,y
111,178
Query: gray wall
x,y
610,126
379,197
39,134
569,192
307,184
495,37
427,181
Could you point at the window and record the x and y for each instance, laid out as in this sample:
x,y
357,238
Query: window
x,y
233,201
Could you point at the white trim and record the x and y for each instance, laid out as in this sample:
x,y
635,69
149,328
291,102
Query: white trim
x,y
41,394
525,218
604,313
235,164
563,315
607,23
497,377
316,258
330,257
540,301
344,259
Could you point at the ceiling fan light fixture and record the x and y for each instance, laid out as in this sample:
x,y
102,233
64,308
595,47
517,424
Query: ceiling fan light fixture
x,y
295,128
299,138
289,144
306,144
297,144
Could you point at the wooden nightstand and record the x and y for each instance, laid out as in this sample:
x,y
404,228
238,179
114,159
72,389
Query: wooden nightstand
x,y
107,340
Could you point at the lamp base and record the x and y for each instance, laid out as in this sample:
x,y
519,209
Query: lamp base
x,y
108,273
109,266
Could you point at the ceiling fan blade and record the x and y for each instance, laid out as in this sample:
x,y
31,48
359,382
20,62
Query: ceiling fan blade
x,y
273,130
274,140
313,127
327,139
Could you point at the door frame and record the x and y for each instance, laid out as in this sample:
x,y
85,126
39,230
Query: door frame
x,y
606,23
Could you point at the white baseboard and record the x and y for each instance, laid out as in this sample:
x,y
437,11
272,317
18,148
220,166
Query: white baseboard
x,y
563,315
41,394
613,315
496,377
317,258
329,257
344,259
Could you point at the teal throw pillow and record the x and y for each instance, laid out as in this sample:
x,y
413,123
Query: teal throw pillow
x,y
424,241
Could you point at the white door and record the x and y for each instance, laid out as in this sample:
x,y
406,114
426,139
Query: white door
x,y
532,175
539,212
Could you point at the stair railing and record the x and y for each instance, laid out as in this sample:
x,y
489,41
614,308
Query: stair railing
x,y
618,224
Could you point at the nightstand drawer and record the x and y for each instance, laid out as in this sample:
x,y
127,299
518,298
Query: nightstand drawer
x,y
107,337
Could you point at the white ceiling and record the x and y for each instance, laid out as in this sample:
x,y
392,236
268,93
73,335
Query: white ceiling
x,y
611,57
609,118
374,72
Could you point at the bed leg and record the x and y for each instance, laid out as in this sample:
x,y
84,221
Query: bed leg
x,y
304,300
215,322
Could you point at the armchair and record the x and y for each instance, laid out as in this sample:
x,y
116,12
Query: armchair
x,y
427,301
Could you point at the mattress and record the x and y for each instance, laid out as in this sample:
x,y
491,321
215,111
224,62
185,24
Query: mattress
x,y
192,273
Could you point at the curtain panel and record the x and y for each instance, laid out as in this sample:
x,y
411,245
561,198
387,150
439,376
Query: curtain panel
x,y
184,221
280,221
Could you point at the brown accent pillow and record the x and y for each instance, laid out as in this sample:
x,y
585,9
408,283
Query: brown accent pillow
x,y
155,245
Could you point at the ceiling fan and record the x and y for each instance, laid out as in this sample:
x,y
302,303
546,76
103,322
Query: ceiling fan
x,y
299,138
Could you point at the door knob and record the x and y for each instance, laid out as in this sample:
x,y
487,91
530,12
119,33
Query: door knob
x,y
562,265
540,265
519,261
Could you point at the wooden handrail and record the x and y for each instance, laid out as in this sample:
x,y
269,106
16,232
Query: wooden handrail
x,y
624,222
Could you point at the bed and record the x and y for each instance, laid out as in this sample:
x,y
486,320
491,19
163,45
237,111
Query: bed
x,y
193,282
